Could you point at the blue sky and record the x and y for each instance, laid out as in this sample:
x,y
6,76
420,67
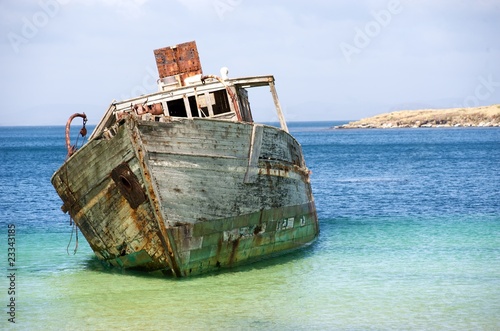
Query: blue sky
x,y
333,60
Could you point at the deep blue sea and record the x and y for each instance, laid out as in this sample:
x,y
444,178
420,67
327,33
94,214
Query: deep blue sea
x,y
410,240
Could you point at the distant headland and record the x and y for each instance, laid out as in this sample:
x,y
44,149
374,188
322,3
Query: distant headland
x,y
487,116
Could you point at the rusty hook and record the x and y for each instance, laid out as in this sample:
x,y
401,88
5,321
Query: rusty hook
x,y
83,132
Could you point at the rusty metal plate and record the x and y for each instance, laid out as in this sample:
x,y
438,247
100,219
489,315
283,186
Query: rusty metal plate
x,y
182,59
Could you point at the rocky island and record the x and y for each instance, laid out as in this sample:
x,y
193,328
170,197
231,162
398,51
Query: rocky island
x,y
486,116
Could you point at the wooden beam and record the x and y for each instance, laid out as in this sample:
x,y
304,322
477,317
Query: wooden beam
x,y
284,127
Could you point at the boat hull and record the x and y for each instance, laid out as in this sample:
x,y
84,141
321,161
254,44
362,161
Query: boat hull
x,y
189,196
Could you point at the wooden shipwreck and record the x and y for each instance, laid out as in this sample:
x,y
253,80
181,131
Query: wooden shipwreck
x,y
184,181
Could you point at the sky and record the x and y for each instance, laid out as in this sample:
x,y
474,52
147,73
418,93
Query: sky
x,y
332,60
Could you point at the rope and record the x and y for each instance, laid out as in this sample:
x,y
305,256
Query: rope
x,y
71,150
74,226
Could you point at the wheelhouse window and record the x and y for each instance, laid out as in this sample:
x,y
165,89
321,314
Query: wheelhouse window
x,y
221,103
176,108
201,105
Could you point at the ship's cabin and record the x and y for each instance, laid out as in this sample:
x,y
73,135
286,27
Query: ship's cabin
x,y
207,97
184,92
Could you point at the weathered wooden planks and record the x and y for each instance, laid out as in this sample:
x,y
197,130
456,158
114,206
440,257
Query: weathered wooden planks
x,y
223,218
211,245
211,194
110,224
212,185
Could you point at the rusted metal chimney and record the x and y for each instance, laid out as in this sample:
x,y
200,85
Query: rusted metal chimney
x,y
176,63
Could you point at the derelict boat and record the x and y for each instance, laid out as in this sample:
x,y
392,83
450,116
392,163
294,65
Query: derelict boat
x,y
184,181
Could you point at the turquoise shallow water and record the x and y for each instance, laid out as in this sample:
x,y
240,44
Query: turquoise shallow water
x,y
410,240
